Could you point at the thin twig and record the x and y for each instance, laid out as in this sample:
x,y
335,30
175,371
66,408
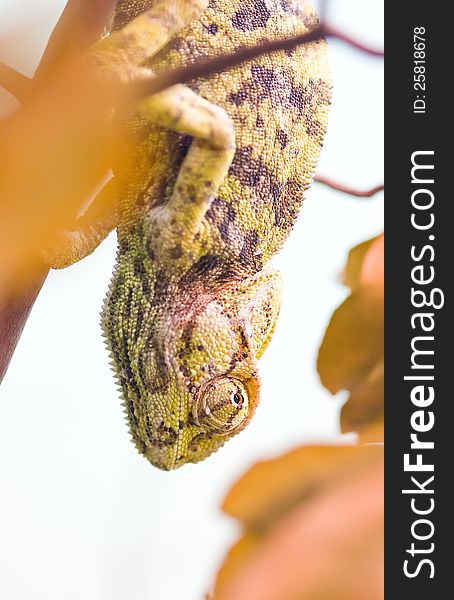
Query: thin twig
x,y
350,41
349,190
206,67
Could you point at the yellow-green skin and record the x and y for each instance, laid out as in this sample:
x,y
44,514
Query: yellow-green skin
x,y
212,192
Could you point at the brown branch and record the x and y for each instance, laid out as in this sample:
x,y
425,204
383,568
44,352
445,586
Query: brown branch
x,y
15,307
79,26
14,82
335,185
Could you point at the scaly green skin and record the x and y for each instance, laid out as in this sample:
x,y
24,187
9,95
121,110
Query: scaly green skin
x,y
202,208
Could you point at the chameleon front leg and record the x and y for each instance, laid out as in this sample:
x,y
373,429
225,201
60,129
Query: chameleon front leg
x,y
71,245
177,225
122,52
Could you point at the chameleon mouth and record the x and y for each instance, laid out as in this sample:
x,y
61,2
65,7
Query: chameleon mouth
x,y
186,451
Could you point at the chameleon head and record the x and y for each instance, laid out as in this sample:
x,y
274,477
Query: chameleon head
x,y
203,380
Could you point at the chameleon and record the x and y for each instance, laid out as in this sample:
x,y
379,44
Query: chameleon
x,y
215,178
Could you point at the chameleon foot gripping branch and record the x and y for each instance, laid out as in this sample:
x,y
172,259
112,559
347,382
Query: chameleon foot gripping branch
x,y
217,174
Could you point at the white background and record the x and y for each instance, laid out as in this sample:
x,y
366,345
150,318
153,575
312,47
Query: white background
x,y
81,514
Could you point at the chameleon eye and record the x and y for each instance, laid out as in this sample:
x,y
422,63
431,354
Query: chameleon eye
x,y
238,399
222,406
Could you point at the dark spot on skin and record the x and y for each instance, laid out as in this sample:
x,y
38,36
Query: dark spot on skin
x,y
123,245
141,367
246,168
184,143
276,191
244,340
148,426
265,77
145,286
287,5
175,253
191,421
194,446
200,348
145,198
186,336
307,100
212,28
131,413
139,269
296,96
161,285
247,256
150,250
158,379
253,16
287,200
237,98
221,214
138,324
260,122
282,138
164,436
203,266
128,304
263,84
161,379
125,363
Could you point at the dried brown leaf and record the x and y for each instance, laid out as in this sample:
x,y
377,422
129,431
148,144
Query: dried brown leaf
x,y
351,355
325,543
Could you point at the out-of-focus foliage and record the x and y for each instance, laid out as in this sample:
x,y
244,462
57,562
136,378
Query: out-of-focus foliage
x,y
55,151
57,148
351,355
313,527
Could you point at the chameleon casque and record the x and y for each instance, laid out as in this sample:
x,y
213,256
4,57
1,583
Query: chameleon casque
x,y
215,179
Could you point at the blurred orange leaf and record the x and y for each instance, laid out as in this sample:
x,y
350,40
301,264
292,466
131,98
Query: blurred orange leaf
x,y
55,152
351,355
313,527
354,264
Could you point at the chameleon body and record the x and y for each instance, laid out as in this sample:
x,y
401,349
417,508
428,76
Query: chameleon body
x,y
216,177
